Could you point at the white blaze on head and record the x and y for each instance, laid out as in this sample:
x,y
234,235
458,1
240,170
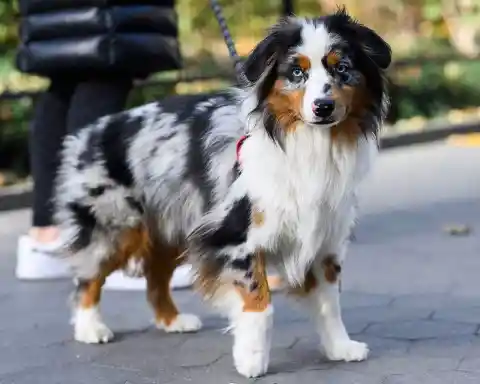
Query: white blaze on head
x,y
316,43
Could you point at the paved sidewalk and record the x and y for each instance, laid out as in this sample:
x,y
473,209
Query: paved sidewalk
x,y
411,291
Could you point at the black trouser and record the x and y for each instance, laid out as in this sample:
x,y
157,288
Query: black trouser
x,y
63,109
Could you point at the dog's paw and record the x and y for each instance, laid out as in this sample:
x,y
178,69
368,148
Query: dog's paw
x,y
251,346
90,329
348,350
134,268
184,322
249,361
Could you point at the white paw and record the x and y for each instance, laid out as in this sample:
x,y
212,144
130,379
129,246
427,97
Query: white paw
x,y
348,350
134,268
250,360
252,338
89,327
184,322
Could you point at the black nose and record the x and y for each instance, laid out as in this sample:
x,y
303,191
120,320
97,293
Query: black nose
x,y
323,107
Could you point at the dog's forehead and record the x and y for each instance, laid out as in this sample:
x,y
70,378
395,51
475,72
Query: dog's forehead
x,y
316,41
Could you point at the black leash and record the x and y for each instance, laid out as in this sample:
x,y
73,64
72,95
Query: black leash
x,y
238,64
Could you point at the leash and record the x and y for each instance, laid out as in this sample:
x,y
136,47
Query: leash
x,y
227,37
238,64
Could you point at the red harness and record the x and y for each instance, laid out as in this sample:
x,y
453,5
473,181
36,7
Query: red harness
x,y
239,146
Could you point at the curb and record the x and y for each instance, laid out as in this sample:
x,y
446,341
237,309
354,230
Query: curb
x,y
16,197
21,196
427,135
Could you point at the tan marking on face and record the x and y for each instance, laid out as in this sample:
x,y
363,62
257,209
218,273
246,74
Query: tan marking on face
x,y
259,299
355,100
304,62
258,217
333,58
331,269
286,106
309,284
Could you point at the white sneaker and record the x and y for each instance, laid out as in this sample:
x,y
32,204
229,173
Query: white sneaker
x,y
118,281
37,261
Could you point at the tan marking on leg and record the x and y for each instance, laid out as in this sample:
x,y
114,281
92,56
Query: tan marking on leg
x,y
258,217
159,268
258,299
133,241
331,268
309,284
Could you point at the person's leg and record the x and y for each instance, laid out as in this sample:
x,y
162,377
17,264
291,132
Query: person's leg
x,y
97,97
47,131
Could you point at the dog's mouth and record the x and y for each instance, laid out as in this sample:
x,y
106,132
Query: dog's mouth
x,y
326,121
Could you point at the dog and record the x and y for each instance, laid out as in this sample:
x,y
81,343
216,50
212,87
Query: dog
x,y
263,175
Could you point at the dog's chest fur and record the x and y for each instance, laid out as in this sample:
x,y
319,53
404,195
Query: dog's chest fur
x,y
305,195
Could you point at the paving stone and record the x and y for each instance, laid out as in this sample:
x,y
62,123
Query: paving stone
x,y
421,329
443,377
79,374
465,314
451,347
392,365
471,364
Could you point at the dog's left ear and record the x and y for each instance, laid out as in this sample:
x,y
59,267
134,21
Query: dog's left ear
x,y
373,45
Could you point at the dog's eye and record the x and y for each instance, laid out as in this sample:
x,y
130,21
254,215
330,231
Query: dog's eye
x,y
297,73
342,68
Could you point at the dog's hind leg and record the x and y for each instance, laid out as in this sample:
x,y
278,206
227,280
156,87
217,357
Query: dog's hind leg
x,y
88,324
158,269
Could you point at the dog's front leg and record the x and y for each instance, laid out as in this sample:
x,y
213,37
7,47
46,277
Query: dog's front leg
x,y
248,306
252,327
325,302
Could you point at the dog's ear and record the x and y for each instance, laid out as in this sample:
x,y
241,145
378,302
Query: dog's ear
x,y
275,46
373,45
260,58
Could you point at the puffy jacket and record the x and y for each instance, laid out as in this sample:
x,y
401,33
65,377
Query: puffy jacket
x,y
135,37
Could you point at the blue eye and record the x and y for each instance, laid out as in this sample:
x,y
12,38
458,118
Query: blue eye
x,y
297,72
342,68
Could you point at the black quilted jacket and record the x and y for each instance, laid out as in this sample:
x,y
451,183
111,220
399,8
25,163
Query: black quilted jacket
x,y
134,37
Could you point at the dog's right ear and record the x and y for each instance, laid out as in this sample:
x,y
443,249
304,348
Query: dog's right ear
x,y
281,38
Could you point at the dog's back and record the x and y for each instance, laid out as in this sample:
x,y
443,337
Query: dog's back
x,y
116,167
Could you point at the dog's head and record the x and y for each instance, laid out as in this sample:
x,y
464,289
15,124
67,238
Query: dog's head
x,y
319,73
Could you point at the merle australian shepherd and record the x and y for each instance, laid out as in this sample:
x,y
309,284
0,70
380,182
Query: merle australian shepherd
x,y
234,182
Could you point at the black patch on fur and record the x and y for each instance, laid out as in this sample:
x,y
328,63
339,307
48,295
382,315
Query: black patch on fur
x,y
197,159
134,204
199,124
85,221
91,152
114,143
183,106
254,286
96,191
234,227
242,264
272,49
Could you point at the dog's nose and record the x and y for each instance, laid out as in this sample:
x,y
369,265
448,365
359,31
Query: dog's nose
x,y
323,107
